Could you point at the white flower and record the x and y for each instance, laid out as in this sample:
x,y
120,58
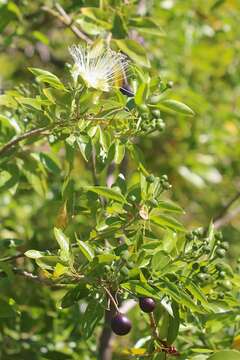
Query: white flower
x,y
100,67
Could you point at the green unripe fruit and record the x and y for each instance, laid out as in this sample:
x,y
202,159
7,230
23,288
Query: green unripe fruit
x,y
156,113
203,269
143,108
218,243
220,252
195,266
145,116
189,236
160,124
144,126
218,267
219,236
203,277
124,271
150,178
132,198
155,99
153,202
222,274
164,177
221,295
225,245
227,284
206,249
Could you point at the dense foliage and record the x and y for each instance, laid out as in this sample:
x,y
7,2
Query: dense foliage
x,y
99,155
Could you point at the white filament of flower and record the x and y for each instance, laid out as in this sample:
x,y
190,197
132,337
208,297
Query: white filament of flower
x,y
101,68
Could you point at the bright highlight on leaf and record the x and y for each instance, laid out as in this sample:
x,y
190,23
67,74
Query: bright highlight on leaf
x,y
100,67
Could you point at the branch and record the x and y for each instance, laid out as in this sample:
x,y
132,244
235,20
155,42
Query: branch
x,y
65,19
227,218
224,217
16,140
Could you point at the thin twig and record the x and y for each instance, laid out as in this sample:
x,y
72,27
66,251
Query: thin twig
x,y
17,139
12,258
113,301
227,218
221,217
61,15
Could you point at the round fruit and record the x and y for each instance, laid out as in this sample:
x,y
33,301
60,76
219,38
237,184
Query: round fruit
x,y
225,245
147,305
156,113
120,324
154,202
227,284
195,266
220,252
150,178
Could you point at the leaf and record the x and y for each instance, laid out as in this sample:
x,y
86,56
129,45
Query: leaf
x,y
197,294
106,258
34,254
119,30
47,77
85,250
180,296
142,289
93,314
75,294
50,163
167,221
119,152
84,144
173,324
170,206
134,50
142,94
107,192
63,242
159,260
146,25
178,107
225,355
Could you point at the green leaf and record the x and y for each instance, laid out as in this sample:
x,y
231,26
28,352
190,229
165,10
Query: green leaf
x,y
93,314
170,207
119,30
197,294
178,107
86,250
180,296
63,242
75,294
159,260
50,163
107,192
119,152
47,77
142,94
34,254
173,324
134,50
106,258
146,25
142,289
84,144
167,221
225,355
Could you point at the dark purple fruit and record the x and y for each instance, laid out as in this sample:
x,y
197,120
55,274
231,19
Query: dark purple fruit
x,y
121,325
147,304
